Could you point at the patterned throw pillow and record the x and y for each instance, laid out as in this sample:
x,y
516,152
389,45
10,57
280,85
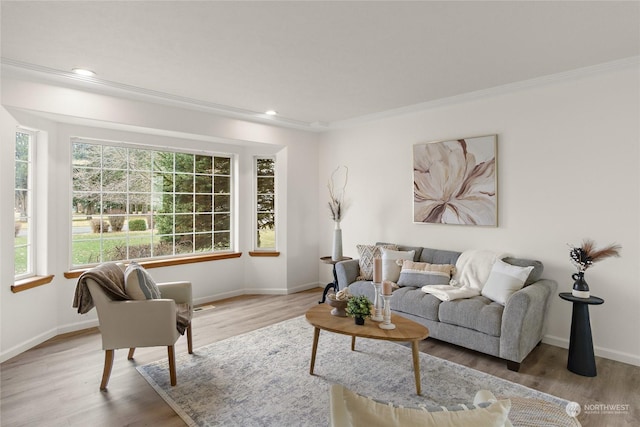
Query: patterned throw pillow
x,y
367,253
138,284
419,274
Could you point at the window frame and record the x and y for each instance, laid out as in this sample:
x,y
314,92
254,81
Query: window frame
x,y
31,200
153,193
256,230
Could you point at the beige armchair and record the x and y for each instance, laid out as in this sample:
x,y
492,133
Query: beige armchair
x,y
141,323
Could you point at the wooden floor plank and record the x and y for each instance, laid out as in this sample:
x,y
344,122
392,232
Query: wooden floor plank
x,y
57,382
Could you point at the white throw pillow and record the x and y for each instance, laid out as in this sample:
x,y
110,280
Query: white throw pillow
x,y
504,280
138,284
390,268
349,409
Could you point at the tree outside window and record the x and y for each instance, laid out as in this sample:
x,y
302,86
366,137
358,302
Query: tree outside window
x,y
265,203
135,203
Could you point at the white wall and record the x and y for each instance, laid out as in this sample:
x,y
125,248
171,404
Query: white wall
x,y
568,169
28,318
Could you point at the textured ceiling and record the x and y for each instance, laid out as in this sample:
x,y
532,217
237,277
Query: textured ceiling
x,y
318,61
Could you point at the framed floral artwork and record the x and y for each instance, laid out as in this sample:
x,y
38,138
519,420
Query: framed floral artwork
x,y
455,182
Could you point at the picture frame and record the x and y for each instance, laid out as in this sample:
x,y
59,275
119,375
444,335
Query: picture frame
x,y
455,182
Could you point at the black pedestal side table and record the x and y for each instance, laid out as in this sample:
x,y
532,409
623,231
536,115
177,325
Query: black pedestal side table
x,y
334,284
581,359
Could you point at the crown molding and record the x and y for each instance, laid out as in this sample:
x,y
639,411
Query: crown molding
x,y
142,94
621,64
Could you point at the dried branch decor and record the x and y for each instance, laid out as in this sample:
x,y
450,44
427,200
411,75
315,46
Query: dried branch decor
x,y
336,199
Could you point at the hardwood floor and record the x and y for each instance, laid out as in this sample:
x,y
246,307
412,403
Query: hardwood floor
x,y
57,382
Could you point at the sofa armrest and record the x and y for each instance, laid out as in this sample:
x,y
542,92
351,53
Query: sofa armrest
x,y
523,319
346,272
180,292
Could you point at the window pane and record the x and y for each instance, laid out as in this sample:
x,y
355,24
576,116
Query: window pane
x,y
22,146
266,239
114,202
184,223
265,167
139,181
221,222
114,157
114,180
204,164
203,203
139,159
184,202
87,155
85,179
204,184
222,203
22,175
184,162
86,252
184,183
203,222
265,203
221,184
163,161
204,242
21,259
222,166
222,241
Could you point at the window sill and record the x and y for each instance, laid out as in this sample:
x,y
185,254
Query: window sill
x,y
31,282
264,253
169,262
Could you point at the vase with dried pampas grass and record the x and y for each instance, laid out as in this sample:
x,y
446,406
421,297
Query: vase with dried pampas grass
x,y
337,208
584,257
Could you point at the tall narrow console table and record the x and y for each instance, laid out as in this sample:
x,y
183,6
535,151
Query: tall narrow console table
x,y
581,359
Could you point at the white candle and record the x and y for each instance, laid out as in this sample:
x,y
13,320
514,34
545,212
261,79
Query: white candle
x,y
386,287
377,270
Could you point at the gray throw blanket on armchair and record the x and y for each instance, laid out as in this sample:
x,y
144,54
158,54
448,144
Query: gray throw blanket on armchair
x,y
110,277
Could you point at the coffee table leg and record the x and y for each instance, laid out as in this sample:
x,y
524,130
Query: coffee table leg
x,y
416,365
316,335
353,343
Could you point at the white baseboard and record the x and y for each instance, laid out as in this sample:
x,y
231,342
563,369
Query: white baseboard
x,y
607,353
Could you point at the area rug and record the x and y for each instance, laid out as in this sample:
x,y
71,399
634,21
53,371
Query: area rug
x,y
261,378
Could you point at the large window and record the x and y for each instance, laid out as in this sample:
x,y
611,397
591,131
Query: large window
x,y
25,232
135,203
265,203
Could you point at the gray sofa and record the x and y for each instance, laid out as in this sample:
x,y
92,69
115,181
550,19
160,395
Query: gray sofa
x,y
510,332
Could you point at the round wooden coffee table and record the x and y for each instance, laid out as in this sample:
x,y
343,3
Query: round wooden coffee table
x,y
406,331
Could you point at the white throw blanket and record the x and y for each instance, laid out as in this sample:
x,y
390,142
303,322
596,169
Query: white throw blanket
x,y
472,271
473,267
449,292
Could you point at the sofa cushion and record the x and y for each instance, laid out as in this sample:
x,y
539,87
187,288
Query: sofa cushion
x,y
504,280
535,274
405,248
413,301
477,313
390,268
419,274
367,253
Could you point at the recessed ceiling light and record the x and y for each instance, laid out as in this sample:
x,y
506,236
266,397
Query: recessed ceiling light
x,y
271,112
83,72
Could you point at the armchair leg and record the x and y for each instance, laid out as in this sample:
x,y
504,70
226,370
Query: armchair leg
x,y
189,339
172,365
130,355
106,373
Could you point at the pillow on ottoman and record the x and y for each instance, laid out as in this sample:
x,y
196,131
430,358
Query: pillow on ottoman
x,y
349,409
138,284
